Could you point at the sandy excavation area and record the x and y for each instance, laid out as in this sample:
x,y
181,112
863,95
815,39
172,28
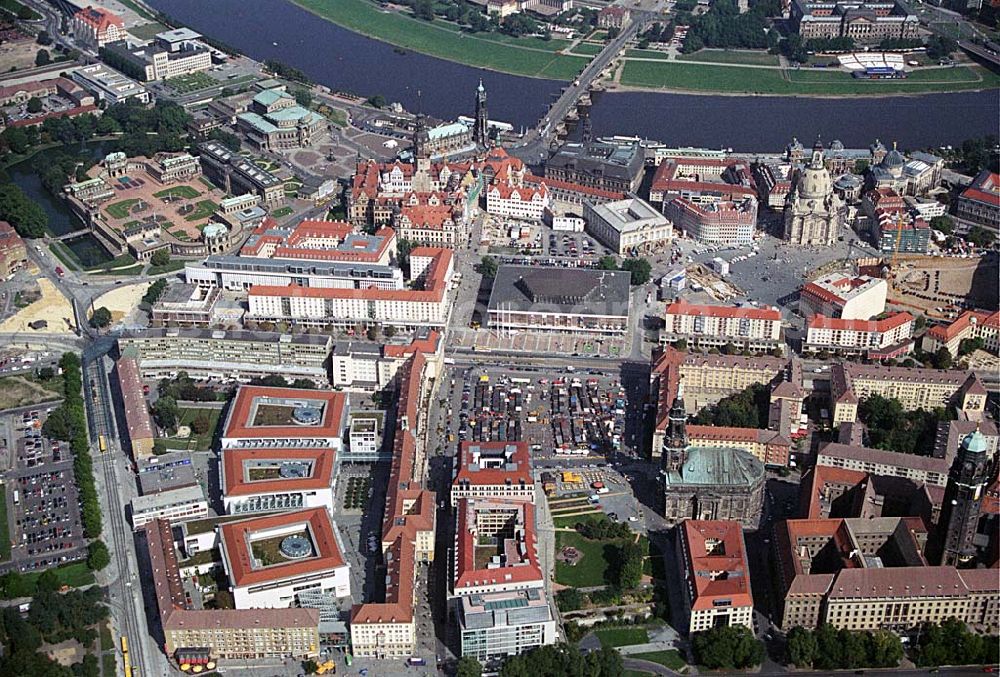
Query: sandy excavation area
x,y
122,301
53,308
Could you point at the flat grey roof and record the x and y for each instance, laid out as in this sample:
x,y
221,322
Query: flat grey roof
x,y
577,291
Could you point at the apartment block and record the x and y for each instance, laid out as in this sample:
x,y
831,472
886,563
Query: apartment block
x,y
914,387
925,469
888,337
844,297
705,326
971,324
768,446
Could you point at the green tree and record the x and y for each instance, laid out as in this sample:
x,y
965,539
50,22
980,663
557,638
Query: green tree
x,y
608,263
943,224
98,556
48,581
569,599
801,647
731,647
34,105
488,267
861,166
101,318
165,411
160,257
377,101
25,215
154,292
884,649
44,38
42,58
629,565
980,237
423,9
201,424
942,358
468,667
681,345
310,667
640,269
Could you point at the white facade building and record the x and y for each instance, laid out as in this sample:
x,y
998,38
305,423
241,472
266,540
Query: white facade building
x,y
844,297
628,225
517,202
853,337
714,326
175,505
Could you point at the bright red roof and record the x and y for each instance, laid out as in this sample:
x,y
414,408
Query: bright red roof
x,y
239,425
746,312
717,563
234,477
236,538
872,326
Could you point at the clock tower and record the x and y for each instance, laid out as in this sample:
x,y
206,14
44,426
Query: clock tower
x,y
963,498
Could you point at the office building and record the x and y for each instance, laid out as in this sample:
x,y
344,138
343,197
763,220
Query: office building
x,y
312,240
240,273
360,365
263,417
172,505
228,355
870,574
365,440
920,469
844,297
230,634
271,559
716,575
496,625
493,470
827,492
616,166
914,387
563,300
628,227
495,547
888,337
109,85
268,480
523,202
705,326
891,225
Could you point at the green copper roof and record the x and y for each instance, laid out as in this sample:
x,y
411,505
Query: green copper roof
x,y
975,442
727,466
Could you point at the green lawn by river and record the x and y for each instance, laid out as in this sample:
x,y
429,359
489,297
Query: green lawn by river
x,y
520,56
803,81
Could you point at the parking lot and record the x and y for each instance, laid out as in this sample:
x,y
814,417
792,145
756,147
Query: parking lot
x,y
43,502
566,416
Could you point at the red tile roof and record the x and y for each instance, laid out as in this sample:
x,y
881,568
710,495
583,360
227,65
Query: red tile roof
x,y
720,573
239,425
137,419
234,476
235,545
99,18
747,312
946,332
519,474
521,564
871,326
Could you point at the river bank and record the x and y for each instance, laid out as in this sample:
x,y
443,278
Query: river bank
x,y
554,59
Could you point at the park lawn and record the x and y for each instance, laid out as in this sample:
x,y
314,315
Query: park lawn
x,y
818,82
203,209
670,658
125,259
108,663
592,569
203,441
281,212
522,56
75,575
184,192
4,527
134,270
66,255
614,637
587,49
119,210
107,642
171,267
754,57
22,390
646,54
191,82
147,31
209,184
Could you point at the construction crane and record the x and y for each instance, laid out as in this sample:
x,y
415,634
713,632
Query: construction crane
x,y
899,238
